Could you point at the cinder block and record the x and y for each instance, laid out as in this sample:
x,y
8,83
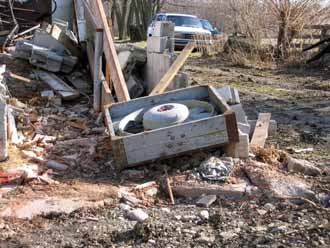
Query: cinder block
x,y
234,96
163,29
242,148
157,44
240,113
229,94
157,65
244,128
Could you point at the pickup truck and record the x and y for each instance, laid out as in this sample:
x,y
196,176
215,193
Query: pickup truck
x,y
186,26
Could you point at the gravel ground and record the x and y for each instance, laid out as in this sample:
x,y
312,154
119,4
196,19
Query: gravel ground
x,y
296,99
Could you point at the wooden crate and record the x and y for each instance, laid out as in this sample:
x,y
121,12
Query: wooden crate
x,y
172,141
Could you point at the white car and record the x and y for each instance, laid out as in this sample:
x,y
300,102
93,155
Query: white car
x,y
186,26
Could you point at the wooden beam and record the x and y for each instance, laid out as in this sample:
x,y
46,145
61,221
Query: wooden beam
x,y
111,54
20,78
261,130
174,69
97,72
90,18
106,95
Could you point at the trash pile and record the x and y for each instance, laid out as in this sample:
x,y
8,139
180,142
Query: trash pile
x,y
61,137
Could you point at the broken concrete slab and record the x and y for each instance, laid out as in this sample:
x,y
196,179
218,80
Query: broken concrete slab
x,y
44,58
58,85
51,61
139,53
134,86
244,128
242,148
180,81
229,94
157,44
43,39
241,191
65,37
240,113
80,82
206,201
28,209
275,184
303,166
162,29
157,65
137,215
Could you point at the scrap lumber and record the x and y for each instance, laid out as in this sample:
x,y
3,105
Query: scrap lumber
x,y
58,85
97,73
174,69
110,53
168,187
80,21
20,78
261,130
106,94
11,128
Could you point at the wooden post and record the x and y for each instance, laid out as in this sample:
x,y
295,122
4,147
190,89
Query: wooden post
x,y
98,51
111,54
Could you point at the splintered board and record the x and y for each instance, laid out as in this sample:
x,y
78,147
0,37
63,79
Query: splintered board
x,y
58,85
261,130
148,146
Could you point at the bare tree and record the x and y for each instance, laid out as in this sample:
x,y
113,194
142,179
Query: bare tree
x,y
292,16
143,12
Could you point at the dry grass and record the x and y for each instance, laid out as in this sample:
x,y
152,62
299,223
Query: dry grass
x,y
210,45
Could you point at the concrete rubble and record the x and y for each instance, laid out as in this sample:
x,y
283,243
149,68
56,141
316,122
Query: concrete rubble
x,y
60,155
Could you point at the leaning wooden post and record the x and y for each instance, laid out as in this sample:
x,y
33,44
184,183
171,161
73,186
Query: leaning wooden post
x,y
98,52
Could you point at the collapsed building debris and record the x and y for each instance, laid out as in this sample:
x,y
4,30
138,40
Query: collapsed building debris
x,y
63,144
190,133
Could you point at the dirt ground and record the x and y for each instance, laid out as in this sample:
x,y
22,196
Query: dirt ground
x,y
299,100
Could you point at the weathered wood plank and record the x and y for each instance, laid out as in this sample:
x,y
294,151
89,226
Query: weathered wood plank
x,y
111,54
174,69
106,95
261,131
97,81
217,100
177,139
90,17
